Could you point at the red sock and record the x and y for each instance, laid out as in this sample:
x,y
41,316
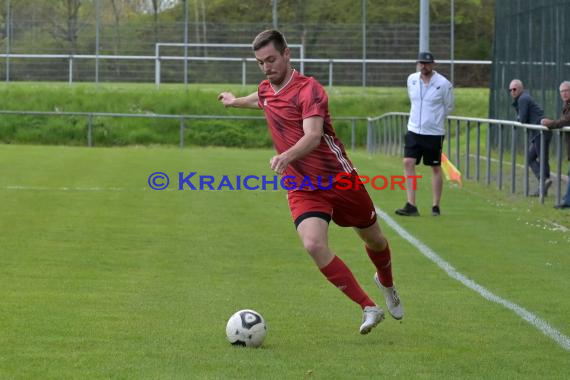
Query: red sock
x,y
382,261
340,276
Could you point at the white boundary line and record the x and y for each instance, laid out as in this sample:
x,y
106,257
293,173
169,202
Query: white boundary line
x,y
526,315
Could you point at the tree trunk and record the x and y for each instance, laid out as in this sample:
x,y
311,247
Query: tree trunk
x,y
204,38
117,40
197,23
155,9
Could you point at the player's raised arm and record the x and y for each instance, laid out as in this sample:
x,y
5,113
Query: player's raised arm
x,y
229,100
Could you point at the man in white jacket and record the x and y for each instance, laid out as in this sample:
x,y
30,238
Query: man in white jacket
x,y
431,96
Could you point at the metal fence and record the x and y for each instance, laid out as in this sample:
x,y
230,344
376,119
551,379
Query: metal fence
x,y
245,68
92,41
469,145
90,119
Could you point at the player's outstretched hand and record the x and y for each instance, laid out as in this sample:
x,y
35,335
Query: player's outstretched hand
x,y
227,98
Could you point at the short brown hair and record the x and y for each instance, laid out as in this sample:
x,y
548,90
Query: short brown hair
x,y
266,37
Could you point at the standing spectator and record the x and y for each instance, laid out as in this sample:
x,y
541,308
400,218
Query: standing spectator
x,y
564,121
431,96
528,112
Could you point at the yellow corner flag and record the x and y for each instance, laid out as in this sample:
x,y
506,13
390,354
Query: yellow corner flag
x,y
450,171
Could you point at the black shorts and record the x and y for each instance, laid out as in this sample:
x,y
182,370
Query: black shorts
x,y
426,146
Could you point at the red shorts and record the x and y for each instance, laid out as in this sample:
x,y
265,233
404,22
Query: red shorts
x,y
347,208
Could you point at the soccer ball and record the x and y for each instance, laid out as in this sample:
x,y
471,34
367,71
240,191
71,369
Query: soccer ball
x,y
246,328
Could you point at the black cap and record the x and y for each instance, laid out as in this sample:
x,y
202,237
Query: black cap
x,y
425,57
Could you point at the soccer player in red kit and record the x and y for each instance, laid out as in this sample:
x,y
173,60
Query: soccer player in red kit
x,y
296,109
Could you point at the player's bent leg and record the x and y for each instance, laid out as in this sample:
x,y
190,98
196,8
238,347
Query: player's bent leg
x,y
379,252
314,234
373,237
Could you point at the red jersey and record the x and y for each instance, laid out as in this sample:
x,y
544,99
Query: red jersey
x,y
301,98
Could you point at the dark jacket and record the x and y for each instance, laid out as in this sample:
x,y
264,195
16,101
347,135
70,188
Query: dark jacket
x,y
528,112
564,121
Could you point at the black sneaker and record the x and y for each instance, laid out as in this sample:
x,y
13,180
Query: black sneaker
x,y
408,210
435,211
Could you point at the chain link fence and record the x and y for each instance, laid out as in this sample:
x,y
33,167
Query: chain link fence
x,y
104,28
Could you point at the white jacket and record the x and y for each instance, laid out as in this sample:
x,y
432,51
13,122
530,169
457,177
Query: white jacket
x,y
431,104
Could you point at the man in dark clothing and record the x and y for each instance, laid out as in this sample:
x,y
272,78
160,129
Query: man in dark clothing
x,y
564,121
528,112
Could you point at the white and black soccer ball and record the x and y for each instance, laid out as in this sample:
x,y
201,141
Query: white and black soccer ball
x,y
246,328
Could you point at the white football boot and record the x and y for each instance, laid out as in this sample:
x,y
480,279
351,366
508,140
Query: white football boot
x,y
371,316
392,299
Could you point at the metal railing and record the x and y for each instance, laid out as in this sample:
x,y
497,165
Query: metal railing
x,y
158,59
186,58
386,135
183,119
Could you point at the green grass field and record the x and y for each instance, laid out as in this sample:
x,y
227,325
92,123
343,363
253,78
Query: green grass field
x,y
102,277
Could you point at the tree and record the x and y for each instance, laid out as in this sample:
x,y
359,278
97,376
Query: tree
x,y
117,7
156,5
200,22
64,19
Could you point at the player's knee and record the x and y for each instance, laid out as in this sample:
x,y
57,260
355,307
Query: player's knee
x,y
314,246
377,244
